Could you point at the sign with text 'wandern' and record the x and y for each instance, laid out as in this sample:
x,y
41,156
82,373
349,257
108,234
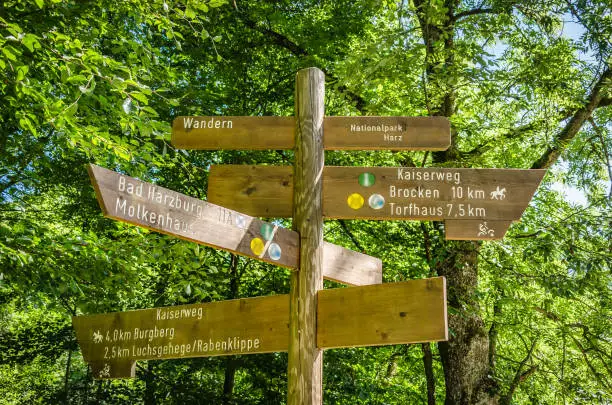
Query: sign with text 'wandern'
x,y
150,206
394,313
340,133
475,203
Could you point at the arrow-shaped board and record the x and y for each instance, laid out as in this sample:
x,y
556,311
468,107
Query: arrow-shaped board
x,y
340,133
474,203
147,205
385,314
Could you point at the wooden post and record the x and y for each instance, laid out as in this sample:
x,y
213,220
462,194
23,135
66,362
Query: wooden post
x,y
305,368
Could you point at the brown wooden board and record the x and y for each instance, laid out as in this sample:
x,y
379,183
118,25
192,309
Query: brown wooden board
x,y
144,204
233,132
261,191
386,133
349,267
467,197
113,342
147,205
393,313
475,229
428,193
340,133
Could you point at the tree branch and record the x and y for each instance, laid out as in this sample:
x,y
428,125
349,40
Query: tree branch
x,y
604,147
429,374
574,125
476,11
284,42
350,234
519,376
493,332
556,318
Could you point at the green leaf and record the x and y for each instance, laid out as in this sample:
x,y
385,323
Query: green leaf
x,y
77,79
189,13
40,3
22,71
140,97
151,111
31,42
10,55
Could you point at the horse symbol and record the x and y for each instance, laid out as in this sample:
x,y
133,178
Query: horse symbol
x,y
498,194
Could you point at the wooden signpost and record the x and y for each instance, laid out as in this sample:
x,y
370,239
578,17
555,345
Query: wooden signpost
x,y
395,313
341,133
474,203
147,205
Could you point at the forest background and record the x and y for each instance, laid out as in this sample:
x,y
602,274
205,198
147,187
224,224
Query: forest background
x,y
526,84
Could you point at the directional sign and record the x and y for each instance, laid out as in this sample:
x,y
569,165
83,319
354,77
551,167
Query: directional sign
x,y
111,342
386,133
395,313
477,203
341,133
150,206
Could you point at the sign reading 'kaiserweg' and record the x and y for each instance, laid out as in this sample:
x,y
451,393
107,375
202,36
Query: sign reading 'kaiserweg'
x,y
150,206
475,203
394,313
341,133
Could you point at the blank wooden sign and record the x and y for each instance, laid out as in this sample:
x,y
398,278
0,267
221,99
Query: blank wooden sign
x,y
404,312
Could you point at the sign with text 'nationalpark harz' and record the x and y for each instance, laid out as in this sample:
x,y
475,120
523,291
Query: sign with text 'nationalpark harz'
x,y
394,313
144,204
475,203
340,133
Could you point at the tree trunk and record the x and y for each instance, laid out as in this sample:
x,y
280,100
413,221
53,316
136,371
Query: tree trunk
x,y
67,378
429,375
149,398
231,365
229,379
465,357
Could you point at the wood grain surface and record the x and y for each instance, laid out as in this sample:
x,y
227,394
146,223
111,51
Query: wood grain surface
x,y
340,133
392,313
464,197
219,227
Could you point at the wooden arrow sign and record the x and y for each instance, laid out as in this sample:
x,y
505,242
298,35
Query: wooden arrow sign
x,y
111,343
476,203
147,205
385,314
340,133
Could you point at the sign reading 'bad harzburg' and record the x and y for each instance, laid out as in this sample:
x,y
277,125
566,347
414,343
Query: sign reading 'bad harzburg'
x,y
340,133
475,203
394,313
148,205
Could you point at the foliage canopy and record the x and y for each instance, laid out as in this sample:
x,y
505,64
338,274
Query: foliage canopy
x,y
525,83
